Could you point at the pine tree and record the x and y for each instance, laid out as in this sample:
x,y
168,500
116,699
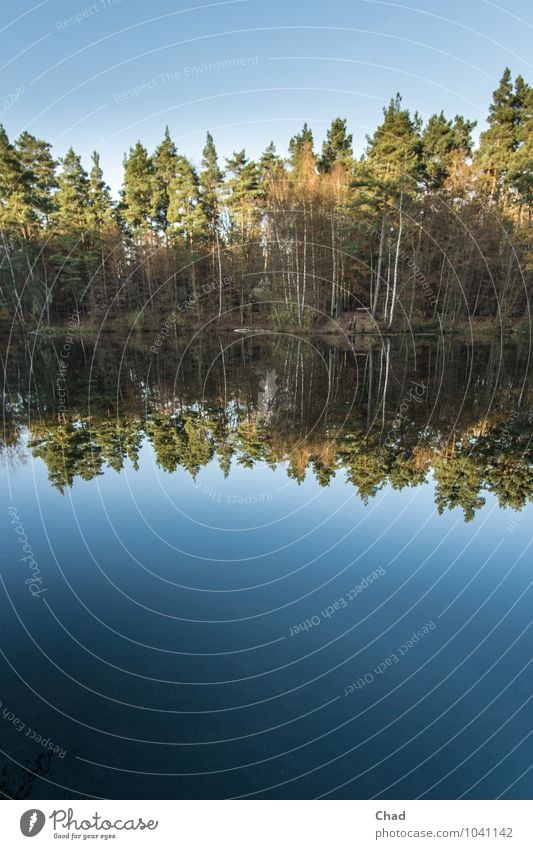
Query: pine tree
x,y
394,168
39,168
210,181
15,207
72,197
499,142
521,164
137,194
70,226
186,217
337,147
164,163
100,211
441,140
301,146
269,161
104,236
16,219
38,182
463,129
243,186
394,152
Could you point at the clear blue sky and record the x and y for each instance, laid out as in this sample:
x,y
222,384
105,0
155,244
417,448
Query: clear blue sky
x,y
267,68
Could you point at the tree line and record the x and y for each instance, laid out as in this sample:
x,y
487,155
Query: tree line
x,y
424,227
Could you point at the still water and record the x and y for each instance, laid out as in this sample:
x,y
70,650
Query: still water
x,y
266,567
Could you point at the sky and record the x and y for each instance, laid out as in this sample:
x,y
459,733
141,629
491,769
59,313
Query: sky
x,y
104,74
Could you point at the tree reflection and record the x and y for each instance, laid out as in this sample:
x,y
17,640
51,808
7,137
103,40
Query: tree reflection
x,y
393,414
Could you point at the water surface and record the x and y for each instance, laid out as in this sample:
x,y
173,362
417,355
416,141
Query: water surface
x,y
266,567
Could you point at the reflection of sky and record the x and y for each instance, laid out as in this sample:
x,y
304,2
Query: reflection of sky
x,y
78,80
216,529
146,559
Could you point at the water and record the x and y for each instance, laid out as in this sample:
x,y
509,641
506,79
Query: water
x,y
266,567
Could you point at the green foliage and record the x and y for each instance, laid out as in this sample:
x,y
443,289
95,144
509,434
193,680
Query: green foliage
x,y
137,200
164,162
243,187
422,229
210,182
186,216
38,175
315,421
15,210
458,481
72,197
300,145
100,205
521,166
394,152
337,147
508,133
368,473
441,139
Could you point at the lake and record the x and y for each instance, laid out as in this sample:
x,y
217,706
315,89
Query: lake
x,y
255,565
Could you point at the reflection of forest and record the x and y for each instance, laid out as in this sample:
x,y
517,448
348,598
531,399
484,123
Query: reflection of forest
x,y
392,413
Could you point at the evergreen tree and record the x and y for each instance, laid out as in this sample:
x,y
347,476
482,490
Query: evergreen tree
x,y
70,226
164,163
137,194
210,181
243,185
521,165
38,168
271,170
394,168
499,142
441,139
243,188
15,207
301,146
337,147
463,129
186,217
394,152
269,162
100,210
72,197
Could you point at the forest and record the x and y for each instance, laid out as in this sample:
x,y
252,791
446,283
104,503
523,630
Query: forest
x,y
425,230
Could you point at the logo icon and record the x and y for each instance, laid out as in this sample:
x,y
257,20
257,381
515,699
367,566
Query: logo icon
x,y
32,822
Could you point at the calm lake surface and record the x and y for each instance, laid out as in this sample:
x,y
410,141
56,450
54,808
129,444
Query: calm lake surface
x,y
254,565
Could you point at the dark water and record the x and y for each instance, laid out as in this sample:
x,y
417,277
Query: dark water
x,y
266,567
